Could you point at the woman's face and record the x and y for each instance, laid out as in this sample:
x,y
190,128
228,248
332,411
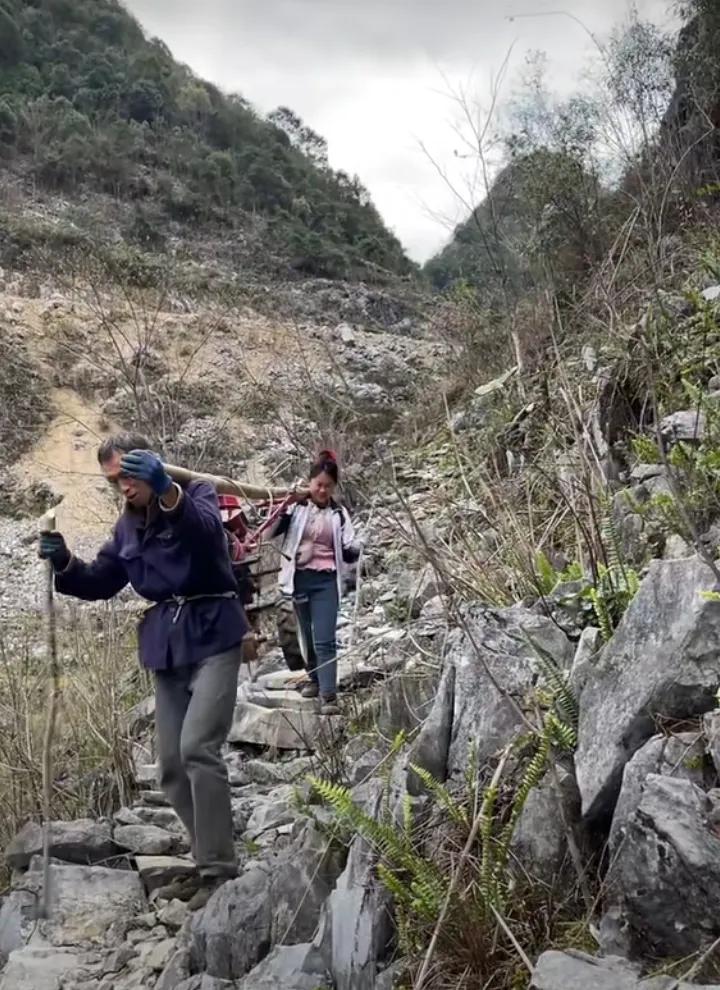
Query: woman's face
x,y
322,488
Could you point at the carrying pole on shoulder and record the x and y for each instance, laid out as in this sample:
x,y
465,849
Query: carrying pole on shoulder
x,y
227,486
48,525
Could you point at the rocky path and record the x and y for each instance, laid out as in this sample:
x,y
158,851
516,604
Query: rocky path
x,y
292,916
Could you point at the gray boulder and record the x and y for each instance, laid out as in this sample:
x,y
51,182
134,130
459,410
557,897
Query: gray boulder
x,y
88,906
711,728
232,934
38,968
577,971
356,927
686,425
292,967
145,840
540,842
662,660
406,700
432,746
276,728
82,841
177,970
156,871
278,808
678,756
269,904
665,877
586,652
494,667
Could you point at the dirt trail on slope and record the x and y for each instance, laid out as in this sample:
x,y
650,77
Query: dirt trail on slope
x,y
65,459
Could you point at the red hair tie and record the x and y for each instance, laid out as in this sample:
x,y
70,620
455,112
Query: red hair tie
x,y
327,455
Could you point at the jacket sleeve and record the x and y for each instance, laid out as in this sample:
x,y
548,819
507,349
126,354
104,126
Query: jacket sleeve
x,y
351,549
100,579
281,527
197,513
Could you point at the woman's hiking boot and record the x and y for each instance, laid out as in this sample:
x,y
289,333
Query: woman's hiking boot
x,y
329,705
311,690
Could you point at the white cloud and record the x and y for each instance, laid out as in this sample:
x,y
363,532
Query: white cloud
x,y
373,77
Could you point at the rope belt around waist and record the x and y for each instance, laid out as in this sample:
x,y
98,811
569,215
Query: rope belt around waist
x,y
180,601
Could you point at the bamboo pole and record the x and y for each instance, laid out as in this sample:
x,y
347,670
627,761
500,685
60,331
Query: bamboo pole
x,y
48,525
227,486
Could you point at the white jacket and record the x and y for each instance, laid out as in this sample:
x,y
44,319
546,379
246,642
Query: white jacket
x,y
343,543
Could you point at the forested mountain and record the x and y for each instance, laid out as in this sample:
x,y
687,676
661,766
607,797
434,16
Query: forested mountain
x,y
88,102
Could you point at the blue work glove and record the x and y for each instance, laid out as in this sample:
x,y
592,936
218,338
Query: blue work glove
x,y
145,466
53,548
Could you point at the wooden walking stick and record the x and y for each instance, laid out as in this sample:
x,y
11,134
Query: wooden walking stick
x,y
48,525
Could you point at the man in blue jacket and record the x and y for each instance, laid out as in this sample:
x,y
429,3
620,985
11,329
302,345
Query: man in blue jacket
x,y
169,544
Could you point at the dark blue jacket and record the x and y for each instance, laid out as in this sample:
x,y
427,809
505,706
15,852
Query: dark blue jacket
x,y
182,552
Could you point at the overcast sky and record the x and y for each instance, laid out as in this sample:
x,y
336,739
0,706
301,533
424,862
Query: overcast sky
x,y
374,77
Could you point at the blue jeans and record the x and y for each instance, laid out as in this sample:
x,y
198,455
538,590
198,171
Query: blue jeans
x,y
316,603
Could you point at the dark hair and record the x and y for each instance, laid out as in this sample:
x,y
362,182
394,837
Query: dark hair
x,y
325,463
121,443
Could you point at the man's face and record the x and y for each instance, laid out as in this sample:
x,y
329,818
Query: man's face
x,y
137,494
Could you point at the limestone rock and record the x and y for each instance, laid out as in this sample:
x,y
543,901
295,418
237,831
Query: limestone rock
x,y
356,927
678,756
711,726
156,955
686,426
145,840
586,653
174,914
156,871
82,841
176,970
498,655
292,967
89,905
577,971
665,876
277,809
406,700
430,749
267,905
231,934
663,659
276,728
160,817
540,842
38,969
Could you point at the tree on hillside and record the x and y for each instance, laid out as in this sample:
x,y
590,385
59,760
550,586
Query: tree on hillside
x,y
11,41
304,138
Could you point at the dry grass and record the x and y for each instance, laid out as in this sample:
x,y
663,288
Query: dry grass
x,y
91,755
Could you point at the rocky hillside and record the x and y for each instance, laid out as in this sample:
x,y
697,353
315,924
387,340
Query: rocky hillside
x,y
89,104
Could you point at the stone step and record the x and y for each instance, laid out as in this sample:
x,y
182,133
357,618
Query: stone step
x,y
157,871
279,728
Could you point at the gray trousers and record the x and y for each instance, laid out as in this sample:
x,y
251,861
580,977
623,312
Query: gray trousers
x,y
193,713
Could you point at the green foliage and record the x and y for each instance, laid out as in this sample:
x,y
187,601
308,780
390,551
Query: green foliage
x,y
560,693
610,595
547,578
645,449
89,101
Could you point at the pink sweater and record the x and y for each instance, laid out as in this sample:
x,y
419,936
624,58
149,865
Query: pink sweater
x,y
316,551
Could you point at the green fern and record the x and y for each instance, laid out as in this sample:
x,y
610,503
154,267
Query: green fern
x,y
488,871
602,614
426,885
557,682
442,796
546,577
